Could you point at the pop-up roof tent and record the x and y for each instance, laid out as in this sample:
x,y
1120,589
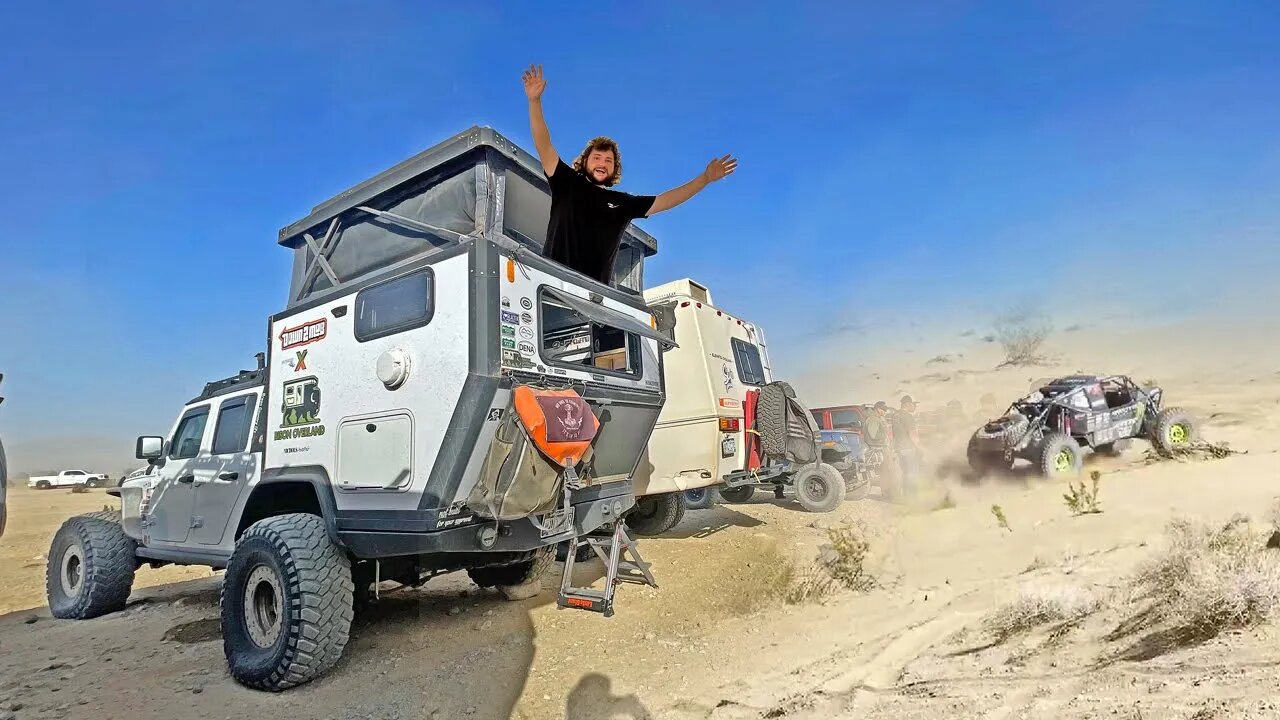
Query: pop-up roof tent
x,y
477,183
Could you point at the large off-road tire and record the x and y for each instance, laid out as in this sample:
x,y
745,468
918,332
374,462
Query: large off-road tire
x,y
90,568
1006,429
701,498
1060,456
771,413
737,495
517,573
286,603
819,487
986,462
1113,449
656,514
1174,429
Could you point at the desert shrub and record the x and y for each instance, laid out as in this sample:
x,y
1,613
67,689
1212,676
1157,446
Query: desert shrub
x,y
1038,605
845,558
1083,500
1021,331
1207,579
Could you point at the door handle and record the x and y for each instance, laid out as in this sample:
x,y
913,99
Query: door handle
x,y
187,479
229,476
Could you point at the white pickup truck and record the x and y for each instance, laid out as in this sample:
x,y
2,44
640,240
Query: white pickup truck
x,y
68,478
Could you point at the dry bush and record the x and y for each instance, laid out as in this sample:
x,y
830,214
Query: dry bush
x,y
779,580
845,558
1211,579
1038,605
1191,451
1082,500
1022,331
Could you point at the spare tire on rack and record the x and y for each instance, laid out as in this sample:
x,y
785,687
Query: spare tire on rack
x,y
1007,429
786,428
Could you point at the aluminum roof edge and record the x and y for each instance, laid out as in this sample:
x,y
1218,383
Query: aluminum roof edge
x,y
422,163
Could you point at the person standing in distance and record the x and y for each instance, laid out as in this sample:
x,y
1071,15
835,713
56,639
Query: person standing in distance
x,y
588,218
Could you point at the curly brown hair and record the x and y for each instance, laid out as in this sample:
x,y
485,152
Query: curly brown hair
x,y
601,143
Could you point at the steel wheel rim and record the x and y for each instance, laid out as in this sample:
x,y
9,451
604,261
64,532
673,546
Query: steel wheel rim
x,y
1178,434
263,606
71,570
815,488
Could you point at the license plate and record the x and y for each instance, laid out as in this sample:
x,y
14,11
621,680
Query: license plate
x,y
556,522
729,446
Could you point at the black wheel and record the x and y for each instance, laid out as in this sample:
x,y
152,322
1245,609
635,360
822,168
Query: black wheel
x,y
1007,429
1113,449
656,514
819,487
986,462
286,603
1175,429
737,495
700,498
517,573
92,483
1060,456
43,485
90,568
583,554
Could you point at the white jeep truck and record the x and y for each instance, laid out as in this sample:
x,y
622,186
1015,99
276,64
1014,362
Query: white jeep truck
x,y
67,478
381,436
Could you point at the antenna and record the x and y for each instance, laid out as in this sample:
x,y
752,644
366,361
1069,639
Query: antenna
x,y
262,359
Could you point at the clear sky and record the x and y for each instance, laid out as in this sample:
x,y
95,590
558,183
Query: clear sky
x,y
897,166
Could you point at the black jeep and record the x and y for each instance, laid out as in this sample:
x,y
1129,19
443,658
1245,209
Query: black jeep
x,y
1052,426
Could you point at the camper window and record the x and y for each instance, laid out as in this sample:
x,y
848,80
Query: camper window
x,y
571,338
747,358
394,305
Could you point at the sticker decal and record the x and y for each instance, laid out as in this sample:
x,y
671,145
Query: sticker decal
x,y
526,303
526,331
301,408
526,318
313,331
495,414
510,317
300,363
526,348
509,343
506,302
508,331
728,377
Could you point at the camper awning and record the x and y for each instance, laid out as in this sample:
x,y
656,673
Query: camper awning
x,y
612,318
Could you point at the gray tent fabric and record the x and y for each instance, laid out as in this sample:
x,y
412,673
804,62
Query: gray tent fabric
x,y
374,242
612,318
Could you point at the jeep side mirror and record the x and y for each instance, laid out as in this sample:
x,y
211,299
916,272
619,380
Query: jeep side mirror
x,y
149,448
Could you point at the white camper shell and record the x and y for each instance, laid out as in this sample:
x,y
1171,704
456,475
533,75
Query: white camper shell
x,y
698,451
371,435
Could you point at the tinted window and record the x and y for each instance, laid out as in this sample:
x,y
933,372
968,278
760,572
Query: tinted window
x,y
394,306
747,357
186,441
235,418
846,419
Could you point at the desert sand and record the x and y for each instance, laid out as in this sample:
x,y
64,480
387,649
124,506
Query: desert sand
x,y
715,640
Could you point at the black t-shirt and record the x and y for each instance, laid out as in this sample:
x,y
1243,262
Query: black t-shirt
x,y
587,222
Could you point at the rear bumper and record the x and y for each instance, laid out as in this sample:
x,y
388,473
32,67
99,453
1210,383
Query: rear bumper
x,y
592,508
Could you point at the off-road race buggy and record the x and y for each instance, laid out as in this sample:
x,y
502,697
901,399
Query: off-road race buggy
x,y
1053,425
436,396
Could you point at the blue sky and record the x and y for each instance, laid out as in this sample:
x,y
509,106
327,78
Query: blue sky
x,y
898,165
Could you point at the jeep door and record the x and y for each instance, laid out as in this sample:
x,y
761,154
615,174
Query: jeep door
x,y
170,518
227,469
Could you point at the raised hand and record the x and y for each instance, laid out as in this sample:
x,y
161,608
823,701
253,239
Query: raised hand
x,y
720,168
534,83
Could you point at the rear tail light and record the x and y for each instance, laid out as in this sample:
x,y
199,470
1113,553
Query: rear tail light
x,y
730,424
